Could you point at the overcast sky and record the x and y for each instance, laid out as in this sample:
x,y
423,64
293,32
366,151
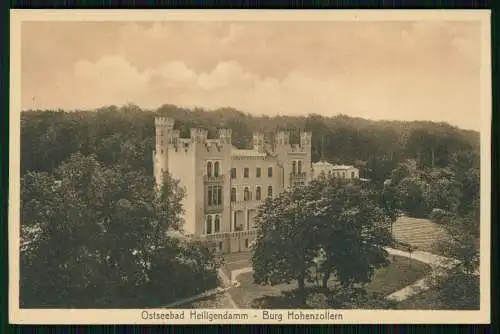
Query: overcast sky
x,y
424,70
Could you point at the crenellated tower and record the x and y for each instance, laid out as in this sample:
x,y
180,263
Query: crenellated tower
x,y
198,136
282,138
305,140
306,145
225,136
164,129
258,141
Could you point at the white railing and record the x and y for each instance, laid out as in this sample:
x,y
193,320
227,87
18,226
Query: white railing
x,y
214,179
251,204
230,235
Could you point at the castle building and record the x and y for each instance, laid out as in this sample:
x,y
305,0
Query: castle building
x,y
224,185
338,171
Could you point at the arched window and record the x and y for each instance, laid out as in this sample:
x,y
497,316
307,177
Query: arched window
x,y
209,169
209,224
217,224
270,191
246,243
246,194
233,194
294,167
257,193
216,168
300,167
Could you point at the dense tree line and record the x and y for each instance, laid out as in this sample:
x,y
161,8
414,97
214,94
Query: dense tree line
x,y
126,135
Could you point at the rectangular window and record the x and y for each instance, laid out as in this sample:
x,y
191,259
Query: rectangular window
x,y
246,172
210,196
270,172
233,194
219,195
233,173
257,172
352,175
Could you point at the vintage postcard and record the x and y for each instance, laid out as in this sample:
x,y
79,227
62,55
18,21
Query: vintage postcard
x,y
250,167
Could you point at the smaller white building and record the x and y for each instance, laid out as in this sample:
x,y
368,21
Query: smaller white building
x,y
341,171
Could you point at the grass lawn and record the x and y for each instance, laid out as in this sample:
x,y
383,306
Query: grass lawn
x,y
237,261
427,300
220,300
396,276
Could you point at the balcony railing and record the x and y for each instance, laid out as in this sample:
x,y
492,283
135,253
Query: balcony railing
x,y
213,179
298,176
240,205
228,235
213,208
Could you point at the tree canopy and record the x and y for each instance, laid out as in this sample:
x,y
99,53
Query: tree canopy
x,y
126,135
98,236
327,227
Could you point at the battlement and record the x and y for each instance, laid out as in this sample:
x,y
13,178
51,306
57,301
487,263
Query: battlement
x,y
213,145
282,138
225,135
182,146
258,136
198,135
258,141
305,134
161,121
305,138
175,136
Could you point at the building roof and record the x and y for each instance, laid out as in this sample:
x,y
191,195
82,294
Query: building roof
x,y
342,167
324,164
247,153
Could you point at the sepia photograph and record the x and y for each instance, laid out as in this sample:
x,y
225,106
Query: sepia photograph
x,y
203,167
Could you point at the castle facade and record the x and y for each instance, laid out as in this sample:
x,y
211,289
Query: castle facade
x,y
225,185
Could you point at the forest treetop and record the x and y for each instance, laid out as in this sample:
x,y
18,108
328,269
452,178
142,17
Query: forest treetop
x,y
50,136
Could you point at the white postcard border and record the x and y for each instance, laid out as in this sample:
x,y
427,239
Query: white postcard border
x,y
126,316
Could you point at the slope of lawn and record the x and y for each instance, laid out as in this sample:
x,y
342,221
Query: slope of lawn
x,y
422,234
400,273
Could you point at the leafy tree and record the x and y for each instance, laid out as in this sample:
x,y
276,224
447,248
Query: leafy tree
x,y
459,288
328,218
285,248
412,192
351,232
379,170
96,236
445,191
